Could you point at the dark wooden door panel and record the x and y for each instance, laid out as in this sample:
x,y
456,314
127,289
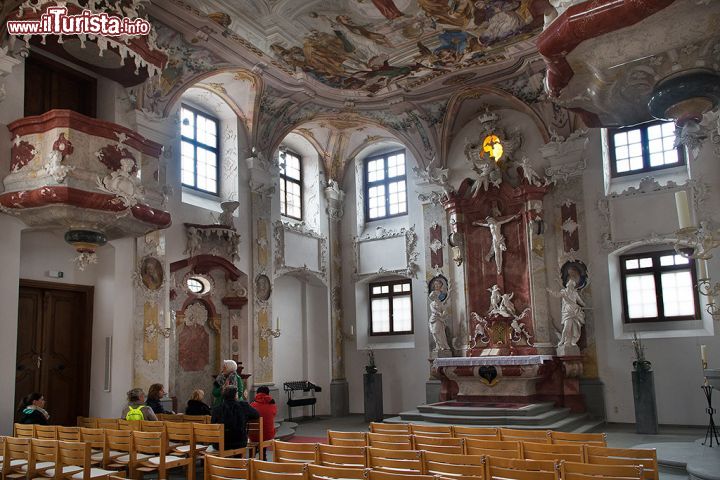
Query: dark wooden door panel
x,y
29,343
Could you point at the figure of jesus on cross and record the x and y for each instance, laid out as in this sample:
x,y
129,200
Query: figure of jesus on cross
x,y
498,246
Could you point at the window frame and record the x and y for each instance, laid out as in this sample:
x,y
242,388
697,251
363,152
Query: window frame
x,y
283,176
195,143
385,182
657,270
644,143
390,295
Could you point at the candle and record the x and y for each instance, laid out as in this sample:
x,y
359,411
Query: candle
x,y
702,269
352,329
683,211
277,323
703,354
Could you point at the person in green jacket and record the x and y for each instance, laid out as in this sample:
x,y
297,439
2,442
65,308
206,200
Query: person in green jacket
x,y
227,377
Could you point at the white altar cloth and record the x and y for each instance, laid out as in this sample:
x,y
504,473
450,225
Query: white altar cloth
x,y
491,360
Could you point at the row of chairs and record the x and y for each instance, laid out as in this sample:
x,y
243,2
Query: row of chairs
x,y
441,466
117,423
416,459
487,433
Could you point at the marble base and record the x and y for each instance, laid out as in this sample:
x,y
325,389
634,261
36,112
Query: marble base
x,y
592,391
568,351
432,391
339,398
701,463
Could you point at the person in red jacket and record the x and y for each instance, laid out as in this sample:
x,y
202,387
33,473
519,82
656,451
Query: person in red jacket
x,y
266,407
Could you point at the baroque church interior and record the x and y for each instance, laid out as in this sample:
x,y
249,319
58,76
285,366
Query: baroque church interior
x,y
488,213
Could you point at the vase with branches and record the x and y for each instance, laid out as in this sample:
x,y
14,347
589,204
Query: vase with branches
x,y
371,367
640,364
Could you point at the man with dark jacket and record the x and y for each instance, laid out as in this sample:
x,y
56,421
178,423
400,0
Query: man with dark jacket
x,y
234,415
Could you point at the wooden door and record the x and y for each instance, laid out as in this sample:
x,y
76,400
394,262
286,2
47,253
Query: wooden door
x,y
54,347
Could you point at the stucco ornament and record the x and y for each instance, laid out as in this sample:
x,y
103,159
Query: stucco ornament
x,y
123,184
196,314
482,331
438,317
434,175
573,316
226,217
53,166
529,173
84,259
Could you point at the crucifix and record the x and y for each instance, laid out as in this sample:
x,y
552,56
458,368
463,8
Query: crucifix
x,y
494,224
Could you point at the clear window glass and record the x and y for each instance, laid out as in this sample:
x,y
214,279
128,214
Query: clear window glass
x,y
645,148
391,308
385,186
199,150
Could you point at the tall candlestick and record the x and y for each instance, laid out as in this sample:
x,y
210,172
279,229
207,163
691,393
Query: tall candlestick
x,y
703,355
683,210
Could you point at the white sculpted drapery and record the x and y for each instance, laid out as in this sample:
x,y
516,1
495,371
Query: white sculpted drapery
x,y
573,316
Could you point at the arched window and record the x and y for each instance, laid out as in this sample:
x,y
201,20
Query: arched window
x,y
200,147
291,192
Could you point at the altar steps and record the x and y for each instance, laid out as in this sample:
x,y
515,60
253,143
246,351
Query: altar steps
x,y
534,416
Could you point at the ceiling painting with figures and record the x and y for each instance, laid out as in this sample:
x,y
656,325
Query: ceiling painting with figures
x,y
376,46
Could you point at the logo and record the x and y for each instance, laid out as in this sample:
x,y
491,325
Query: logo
x,y
56,21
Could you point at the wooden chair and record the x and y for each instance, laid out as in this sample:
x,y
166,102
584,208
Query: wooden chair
x,y
287,452
43,456
545,451
16,454
207,435
383,475
152,426
74,462
347,439
87,422
496,448
517,435
260,470
219,468
480,433
170,417
389,442
46,432
468,467
196,418
625,456
439,444
68,434
398,461
107,423
324,472
341,456
519,469
22,430
254,431
119,451
431,430
99,455
131,425
155,444
588,471
180,439
594,439
391,428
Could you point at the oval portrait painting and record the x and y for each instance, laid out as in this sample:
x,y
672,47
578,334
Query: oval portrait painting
x,y
263,287
151,273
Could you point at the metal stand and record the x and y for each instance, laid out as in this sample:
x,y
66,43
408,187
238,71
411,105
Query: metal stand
x,y
711,430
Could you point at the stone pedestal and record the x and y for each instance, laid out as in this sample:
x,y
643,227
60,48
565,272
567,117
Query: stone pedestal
x,y
645,406
339,401
372,388
432,391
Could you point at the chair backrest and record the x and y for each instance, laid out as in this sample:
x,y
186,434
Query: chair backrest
x,y
196,418
431,430
294,452
625,456
548,451
496,448
517,435
180,432
75,454
24,431
41,450
153,443
255,429
260,470
209,433
323,472
93,436
219,468
68,434
341,456
16,448
519,469
392,428
348,439
481,433
46,432
594,439
108,423
383,475
469,467
152,426
439,444
170,417
395,460
129,424
390,441
119,440
588,471
87,422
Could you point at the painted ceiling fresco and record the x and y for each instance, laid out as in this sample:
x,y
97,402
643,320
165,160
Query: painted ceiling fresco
x,y
374,45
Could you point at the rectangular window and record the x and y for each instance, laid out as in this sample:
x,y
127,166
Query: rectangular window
x,y
391,308
290,185
385,186
644,149
659,286
199,150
